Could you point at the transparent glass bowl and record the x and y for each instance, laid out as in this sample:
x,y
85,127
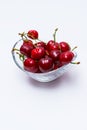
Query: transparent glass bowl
x,y
42,77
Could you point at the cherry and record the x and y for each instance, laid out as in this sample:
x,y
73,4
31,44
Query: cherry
x,y
66,57
26,48
30,65
38,53
45,64
40,44
33,34
52,45
57,64
64,46
54,54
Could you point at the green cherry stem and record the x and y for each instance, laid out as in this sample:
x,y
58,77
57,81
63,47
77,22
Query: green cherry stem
x,y
15,49
54,34
74,48
75,62
23,35
21,56
41,41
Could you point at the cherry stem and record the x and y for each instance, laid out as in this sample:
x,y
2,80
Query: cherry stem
x,y
15,49
74,48
54,35
21,56
23,35
40,40
75,62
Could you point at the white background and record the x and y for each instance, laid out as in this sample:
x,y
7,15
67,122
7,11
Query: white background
x,y
26,104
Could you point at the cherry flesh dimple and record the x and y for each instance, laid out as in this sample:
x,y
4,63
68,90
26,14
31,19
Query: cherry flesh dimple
x,y
33,34
45,64
38,53
30,65
64,46
66,57
26,48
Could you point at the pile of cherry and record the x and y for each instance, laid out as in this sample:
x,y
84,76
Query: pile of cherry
x,y
39,57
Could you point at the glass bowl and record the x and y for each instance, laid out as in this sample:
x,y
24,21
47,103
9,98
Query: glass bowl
x,y
42,77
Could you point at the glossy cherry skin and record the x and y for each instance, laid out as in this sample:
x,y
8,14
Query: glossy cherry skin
x,y
64,46
54,54
45,64
33,34
52,45
38,53
40,44
66,57
30,65
26,48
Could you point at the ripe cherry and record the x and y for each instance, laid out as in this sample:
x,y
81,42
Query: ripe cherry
x,y
57,65
45,64
33,34
30,65
66,57
52,45
40,44
26,48
38,53
54,54
64,46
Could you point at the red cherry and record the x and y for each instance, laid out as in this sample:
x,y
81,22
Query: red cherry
x,y
40,44
45,64
30,65
52,45
64,46
33,34
26,48
38,53
66,57
57,64
54,54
